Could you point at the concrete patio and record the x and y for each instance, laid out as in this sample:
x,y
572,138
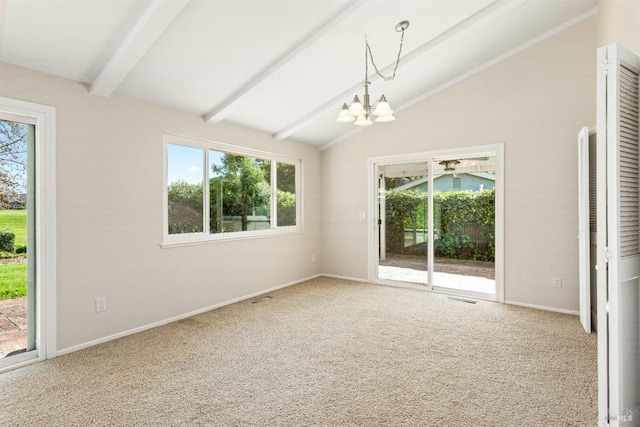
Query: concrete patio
x,y
13,325
462,275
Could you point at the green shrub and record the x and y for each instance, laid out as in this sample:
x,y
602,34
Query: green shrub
x,y
463,222
7,241
466,222
401,208
184,219
455,246
21,249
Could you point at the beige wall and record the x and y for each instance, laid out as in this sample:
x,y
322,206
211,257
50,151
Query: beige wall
x,y
619,22
110,213
535,103
109,198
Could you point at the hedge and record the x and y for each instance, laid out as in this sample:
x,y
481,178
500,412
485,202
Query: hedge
x,y
7,241
464,222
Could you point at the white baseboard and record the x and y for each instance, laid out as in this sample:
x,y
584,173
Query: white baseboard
x,y
176,318
253,295
544,307
353,279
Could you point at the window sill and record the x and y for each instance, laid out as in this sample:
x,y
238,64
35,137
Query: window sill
x,y
185,240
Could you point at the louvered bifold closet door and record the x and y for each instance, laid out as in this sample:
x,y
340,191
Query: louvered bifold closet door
x,y
593,177
628,257
619,242
628,164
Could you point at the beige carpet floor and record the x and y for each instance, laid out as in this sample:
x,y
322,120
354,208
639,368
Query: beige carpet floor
x,y
325,352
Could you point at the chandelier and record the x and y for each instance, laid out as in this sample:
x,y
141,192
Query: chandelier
x,y
360,112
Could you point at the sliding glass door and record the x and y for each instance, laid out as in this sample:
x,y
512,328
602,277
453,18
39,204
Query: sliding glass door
x,y
435,221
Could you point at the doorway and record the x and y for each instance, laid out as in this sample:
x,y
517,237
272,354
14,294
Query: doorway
x,y
437,221
27,233
17,237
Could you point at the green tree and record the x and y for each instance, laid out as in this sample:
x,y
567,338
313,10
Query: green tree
x,y
183,193
239,188
286,176
13,161
286,208
286,193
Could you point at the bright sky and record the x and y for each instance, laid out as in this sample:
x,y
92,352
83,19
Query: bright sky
x,y
184,163
187,163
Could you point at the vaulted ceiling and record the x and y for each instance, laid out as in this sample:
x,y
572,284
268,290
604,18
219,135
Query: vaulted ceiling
x,y
280,66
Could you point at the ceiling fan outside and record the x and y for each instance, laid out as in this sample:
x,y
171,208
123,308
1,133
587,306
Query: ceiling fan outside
x,y
449,165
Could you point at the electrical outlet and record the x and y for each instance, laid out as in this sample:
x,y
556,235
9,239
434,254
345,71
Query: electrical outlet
x,y
101,304
557,282
313,257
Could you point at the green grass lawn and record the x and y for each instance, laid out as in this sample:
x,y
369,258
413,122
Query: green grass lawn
x,y
15,220
13,280
13,276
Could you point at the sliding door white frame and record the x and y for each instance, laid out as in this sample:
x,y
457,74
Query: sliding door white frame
x,y
373,227
45,227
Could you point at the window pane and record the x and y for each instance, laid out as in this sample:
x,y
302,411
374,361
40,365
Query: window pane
x,y
184,181
286,186
13,164
240,193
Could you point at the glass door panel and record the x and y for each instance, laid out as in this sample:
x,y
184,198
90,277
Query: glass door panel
x,y
403,193
17,238
464,225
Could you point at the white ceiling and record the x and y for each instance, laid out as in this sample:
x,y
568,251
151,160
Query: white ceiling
x,y
280,66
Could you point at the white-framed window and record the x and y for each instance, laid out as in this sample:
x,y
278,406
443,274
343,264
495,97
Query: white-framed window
x,y
215,191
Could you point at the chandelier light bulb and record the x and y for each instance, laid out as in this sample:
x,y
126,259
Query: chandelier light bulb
x,y
356,108
382,108
363,120
345,116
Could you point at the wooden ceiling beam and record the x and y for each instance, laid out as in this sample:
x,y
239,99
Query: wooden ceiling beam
x,y
142,36
227,107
